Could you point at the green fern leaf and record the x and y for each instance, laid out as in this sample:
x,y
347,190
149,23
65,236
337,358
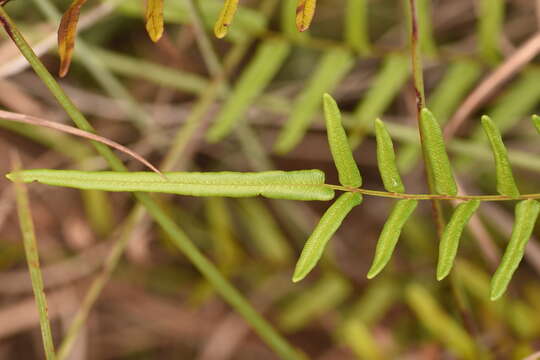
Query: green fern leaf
x,y
451,235
436,156
348,172
292,185
526,215
386,159
536,122
327,226
390,235
506,184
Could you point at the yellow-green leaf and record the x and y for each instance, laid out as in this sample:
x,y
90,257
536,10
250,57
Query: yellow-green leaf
x,y
526,215
154,19
67,31
386,159
327,226
225,19
348,172
305,10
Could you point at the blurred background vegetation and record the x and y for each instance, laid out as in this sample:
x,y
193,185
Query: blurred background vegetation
x,y
266,81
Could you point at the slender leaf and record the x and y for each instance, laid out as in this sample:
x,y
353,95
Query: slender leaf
x,y
506,184
384,88
357,335
386,159
225,19
436,156
268,59
32,258
293,185
356,25
305,10
67,31
490,28
439,323
526,215
536,122
451,236
348,172
327,226
390,235
154,19
333,66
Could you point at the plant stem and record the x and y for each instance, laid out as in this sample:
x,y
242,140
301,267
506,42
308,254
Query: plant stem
x,y
32,258
229,293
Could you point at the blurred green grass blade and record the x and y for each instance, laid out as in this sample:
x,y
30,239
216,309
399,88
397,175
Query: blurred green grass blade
x,y
265,232
348,172
517,101
357,26
288,20
333,66
459,78
490,28
161,75
99,211
440,324
506,184
386,159
436,156
257,75
390,235
32,258
385,86
247,22
227,251
361,340
536,123
451,236
327,226
293,185
377,299
327,293
525,217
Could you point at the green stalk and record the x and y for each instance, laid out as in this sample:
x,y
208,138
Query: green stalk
x,y
229,293
32,258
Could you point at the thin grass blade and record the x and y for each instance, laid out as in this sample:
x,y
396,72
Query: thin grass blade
x,y
451,236
333,66
327,226
386,159
357,26
436,157
348,172
154,19
536,122
390,235
526,214
506,185
225,19
263,67
293,185
32,258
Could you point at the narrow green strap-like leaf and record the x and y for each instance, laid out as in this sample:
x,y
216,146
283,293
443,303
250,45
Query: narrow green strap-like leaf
x,y
225,19
390,235
328,225
293,185
526,215
490,27
263,67
506,184
332,67
436,156
536,122
385,86
451,236
356,25
348,172
386,159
